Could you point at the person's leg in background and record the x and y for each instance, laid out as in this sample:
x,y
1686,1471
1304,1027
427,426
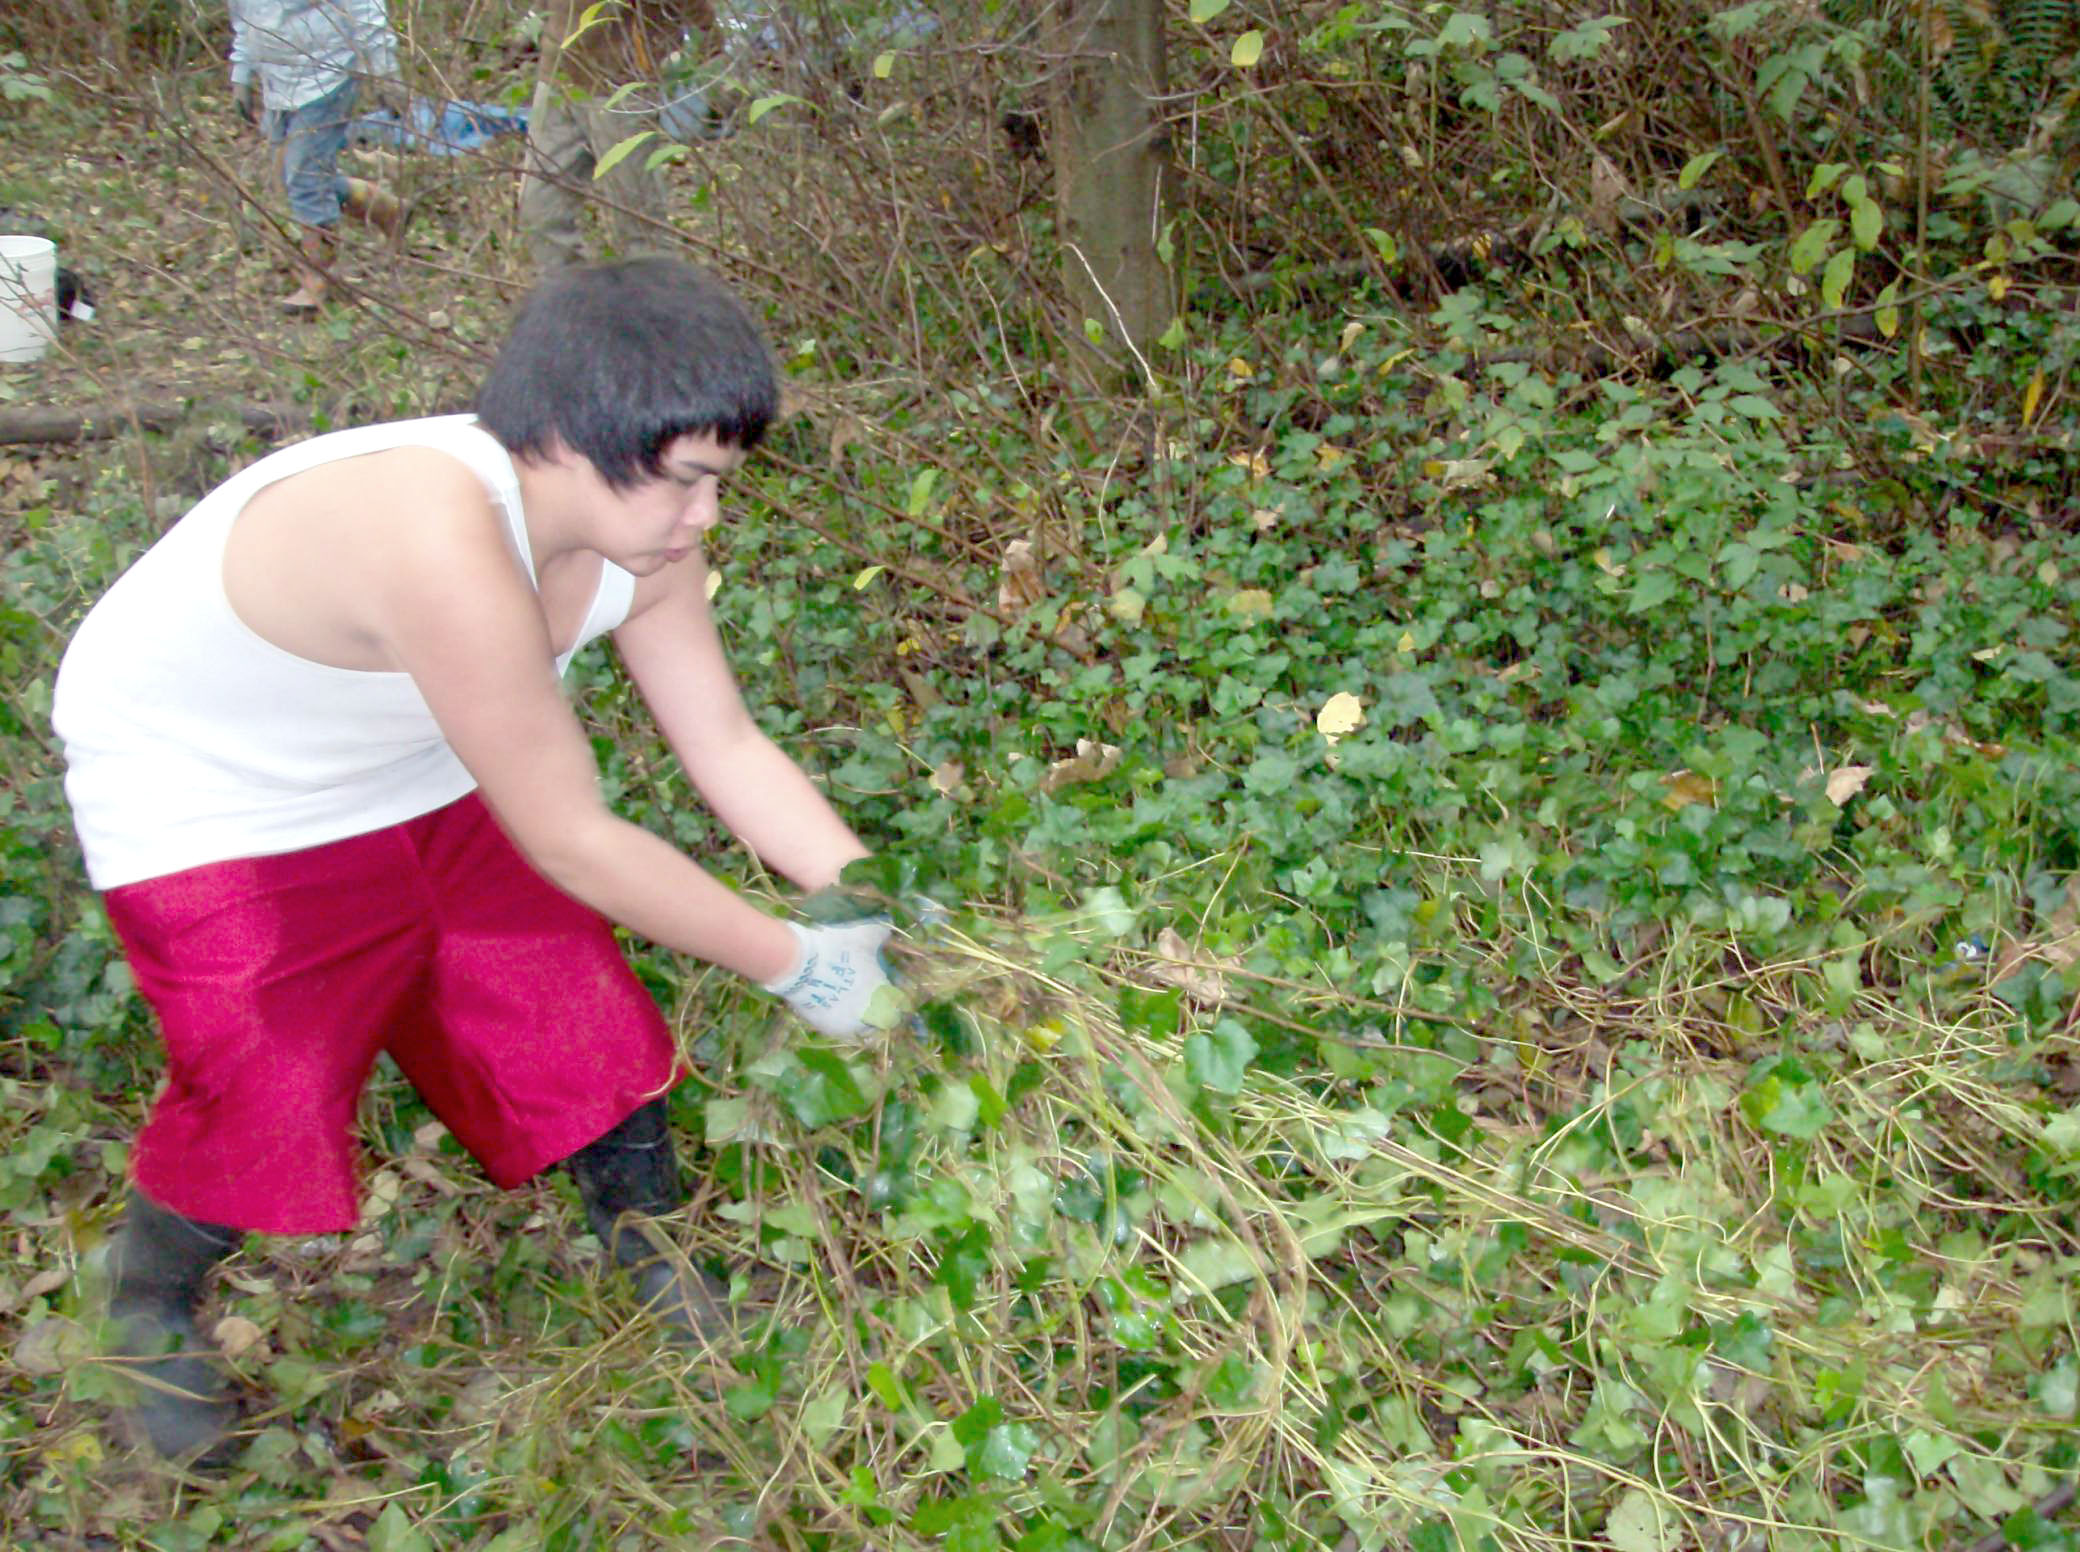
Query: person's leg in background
x,y
311,139
558,165
632,194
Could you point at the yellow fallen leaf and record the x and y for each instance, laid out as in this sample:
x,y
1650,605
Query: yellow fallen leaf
x,y
1264,519
1239,368
1343,713
1606,565
1687,787
1845,782
1457,473
2031,395
1407,643
1328,456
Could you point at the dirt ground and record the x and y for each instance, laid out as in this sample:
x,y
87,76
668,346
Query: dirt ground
x,y
166,210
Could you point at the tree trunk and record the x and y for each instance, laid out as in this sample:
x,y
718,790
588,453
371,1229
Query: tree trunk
x,y
1112,154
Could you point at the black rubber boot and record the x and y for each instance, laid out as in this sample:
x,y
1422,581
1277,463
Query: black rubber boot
x,y
631,1174
157,1268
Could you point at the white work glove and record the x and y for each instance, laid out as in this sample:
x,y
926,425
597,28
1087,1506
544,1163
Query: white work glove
x,y
836,978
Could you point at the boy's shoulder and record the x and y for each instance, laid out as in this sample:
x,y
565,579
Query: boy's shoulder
x,y
439,446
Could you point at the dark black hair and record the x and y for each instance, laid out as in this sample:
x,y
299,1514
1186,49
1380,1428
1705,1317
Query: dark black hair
x,y
618,361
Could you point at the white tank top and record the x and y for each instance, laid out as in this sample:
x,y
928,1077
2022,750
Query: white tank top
x,y
191,739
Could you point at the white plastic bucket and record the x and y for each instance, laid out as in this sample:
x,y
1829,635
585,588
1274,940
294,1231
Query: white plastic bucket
x,y
28,297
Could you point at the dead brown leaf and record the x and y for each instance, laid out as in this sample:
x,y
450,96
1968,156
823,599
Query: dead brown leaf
x,y
235,1334
1020,587
1201,980
1091,762
1844,782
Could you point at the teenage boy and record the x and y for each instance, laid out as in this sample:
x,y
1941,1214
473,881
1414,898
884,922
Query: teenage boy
x,y
297,67
322,768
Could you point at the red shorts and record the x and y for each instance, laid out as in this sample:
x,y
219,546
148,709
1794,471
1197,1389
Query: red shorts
x,y
278,979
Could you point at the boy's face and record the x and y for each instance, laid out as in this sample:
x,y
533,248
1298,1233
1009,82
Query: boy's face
x,y
659,521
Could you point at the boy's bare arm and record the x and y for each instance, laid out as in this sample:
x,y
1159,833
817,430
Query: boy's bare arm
x,y
673,652
456,612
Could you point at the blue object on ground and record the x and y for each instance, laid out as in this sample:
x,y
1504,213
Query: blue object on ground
x,y
439,128
687,117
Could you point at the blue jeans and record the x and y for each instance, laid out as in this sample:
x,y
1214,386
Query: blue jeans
x,y
311,138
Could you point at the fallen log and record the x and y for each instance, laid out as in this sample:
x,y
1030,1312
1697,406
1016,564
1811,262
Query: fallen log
x,y
94,423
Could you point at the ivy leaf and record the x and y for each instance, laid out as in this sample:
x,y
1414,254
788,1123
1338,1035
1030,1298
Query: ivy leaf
x,y
1214,1264
1745,1340
1811,246
1005,1452
748,1402
1405,698
1232,1385
973,1425
1155,1014
1219,1061
881,1380
1638,1525
1271,773
1834,281
822,1090
1929,1452
1884,1518
821,1416
1788,1109
393,1532
963,1263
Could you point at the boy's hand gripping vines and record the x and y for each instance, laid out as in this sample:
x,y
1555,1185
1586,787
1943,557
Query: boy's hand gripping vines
x,y
832,987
